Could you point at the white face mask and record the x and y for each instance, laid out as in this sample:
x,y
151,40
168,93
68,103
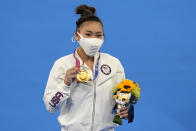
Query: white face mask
x,y
90,45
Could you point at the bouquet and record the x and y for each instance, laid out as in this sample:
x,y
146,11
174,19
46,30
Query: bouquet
x,y
126,94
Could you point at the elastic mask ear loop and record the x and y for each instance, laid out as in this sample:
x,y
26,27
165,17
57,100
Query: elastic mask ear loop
x,y
80,35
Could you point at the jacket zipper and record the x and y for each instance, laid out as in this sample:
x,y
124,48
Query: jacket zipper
x,y
94,100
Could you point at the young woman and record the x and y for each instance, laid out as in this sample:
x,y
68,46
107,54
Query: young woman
x,y
81,84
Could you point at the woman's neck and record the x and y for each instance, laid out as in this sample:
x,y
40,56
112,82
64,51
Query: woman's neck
x,y
83,55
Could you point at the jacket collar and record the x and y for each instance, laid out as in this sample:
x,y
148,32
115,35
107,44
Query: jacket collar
x,y
96,57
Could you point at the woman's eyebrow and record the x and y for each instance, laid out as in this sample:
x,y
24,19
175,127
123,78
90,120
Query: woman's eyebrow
x,y
99,32
89,31
92,32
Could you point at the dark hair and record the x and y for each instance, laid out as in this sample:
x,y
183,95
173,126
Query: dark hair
x,y
87,13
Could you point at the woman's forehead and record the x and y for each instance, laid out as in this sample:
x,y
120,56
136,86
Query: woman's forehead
x,y
91,27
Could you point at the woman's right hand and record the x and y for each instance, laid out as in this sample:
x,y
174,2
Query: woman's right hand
x,y
71,75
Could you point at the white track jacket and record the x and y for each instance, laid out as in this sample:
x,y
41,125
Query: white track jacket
x,y
84,106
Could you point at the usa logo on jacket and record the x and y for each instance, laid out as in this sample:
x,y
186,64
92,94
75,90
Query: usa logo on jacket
x,y
105,69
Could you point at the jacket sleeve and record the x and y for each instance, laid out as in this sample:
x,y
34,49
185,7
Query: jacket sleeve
x,y
56,92
120,74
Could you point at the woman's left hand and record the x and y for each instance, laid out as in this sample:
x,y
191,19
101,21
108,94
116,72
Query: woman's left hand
x,y
123,113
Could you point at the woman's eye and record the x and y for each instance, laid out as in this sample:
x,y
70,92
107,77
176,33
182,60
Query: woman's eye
x,y
99,35
88,34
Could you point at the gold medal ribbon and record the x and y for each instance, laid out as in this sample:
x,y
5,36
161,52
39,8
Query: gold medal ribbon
x,y
85,75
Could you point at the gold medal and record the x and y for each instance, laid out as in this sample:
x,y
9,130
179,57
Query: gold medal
x,y
84,75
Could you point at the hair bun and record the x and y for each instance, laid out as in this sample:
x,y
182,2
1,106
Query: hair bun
x,y
85,10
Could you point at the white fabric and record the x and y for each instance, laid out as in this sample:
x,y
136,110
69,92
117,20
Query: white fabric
x,y
90,45
84,106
